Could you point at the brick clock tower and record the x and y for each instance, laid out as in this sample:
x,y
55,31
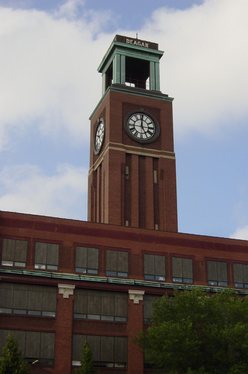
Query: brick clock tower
x,y
132,176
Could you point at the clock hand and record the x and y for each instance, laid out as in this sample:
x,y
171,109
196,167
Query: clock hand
x,y
142,123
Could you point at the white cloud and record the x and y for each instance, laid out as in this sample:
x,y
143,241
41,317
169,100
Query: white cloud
x,y
205,63
241,233
25,188
70,8
48,73
48,66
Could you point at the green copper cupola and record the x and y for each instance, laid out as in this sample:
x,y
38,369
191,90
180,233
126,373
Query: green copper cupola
x,y
131,62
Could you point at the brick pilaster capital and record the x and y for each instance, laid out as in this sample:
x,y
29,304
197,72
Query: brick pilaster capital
x,y
66,290
136,296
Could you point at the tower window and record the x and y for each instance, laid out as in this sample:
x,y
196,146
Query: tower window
x,y
137,72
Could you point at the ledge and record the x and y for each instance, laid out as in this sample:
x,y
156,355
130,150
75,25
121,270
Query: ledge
x,y
118,281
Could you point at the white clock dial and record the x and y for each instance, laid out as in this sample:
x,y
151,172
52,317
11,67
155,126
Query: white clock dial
x,y
99,136
142,127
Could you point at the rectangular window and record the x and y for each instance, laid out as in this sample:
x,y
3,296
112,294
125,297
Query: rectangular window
x,y
182,270
34,345
117,264
86,260
46,256
148,305
98,305
25,299
154,267
217,273
108,351
14,252
240,274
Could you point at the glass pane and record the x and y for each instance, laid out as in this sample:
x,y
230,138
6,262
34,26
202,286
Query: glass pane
x,y
177,267
52,254
108,304
47,345
81,302
107,349
111,261
40,253
222,271
212,270
149,264
78,341
121,303
94,302
35,298
187,268
21,250
32,344
49,295
120,354
6,295
122,262
159,265
8,250
92,258
81,257
20,296
238,272
95,345
245,273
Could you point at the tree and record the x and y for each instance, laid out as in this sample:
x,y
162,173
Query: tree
x,y
195,333
87,361
11,361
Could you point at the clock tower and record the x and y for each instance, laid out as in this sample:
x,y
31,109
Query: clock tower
x,y
132,176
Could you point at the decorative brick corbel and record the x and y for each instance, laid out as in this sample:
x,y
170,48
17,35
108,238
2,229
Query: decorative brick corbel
x,y
66,290
136,295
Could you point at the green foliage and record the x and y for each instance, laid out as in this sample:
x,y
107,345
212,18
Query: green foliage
x,y
87,366
11,361
195,333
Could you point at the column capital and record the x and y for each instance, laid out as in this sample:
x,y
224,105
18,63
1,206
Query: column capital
x,y
66,290
136,296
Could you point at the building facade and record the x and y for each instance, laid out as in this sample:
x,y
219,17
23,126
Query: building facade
x,y
65,281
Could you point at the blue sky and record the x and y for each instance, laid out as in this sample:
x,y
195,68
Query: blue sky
x,y
49,53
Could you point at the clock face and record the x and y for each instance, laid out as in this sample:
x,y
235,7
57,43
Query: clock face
x,y
99,136
141,127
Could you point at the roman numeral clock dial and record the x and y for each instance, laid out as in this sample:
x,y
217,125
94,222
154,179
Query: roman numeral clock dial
x,y
99,136
142,128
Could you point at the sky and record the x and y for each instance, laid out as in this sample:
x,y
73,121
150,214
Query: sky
x,y
49,54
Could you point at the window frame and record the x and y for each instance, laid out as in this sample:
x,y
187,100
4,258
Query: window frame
x,y
153,276
15,252
45,265
182,279
217,282
86,270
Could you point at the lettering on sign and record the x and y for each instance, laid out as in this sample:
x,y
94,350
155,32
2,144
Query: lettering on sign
x,y
137,42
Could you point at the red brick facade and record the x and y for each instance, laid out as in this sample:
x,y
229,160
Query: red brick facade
x,y
136,242
63,281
